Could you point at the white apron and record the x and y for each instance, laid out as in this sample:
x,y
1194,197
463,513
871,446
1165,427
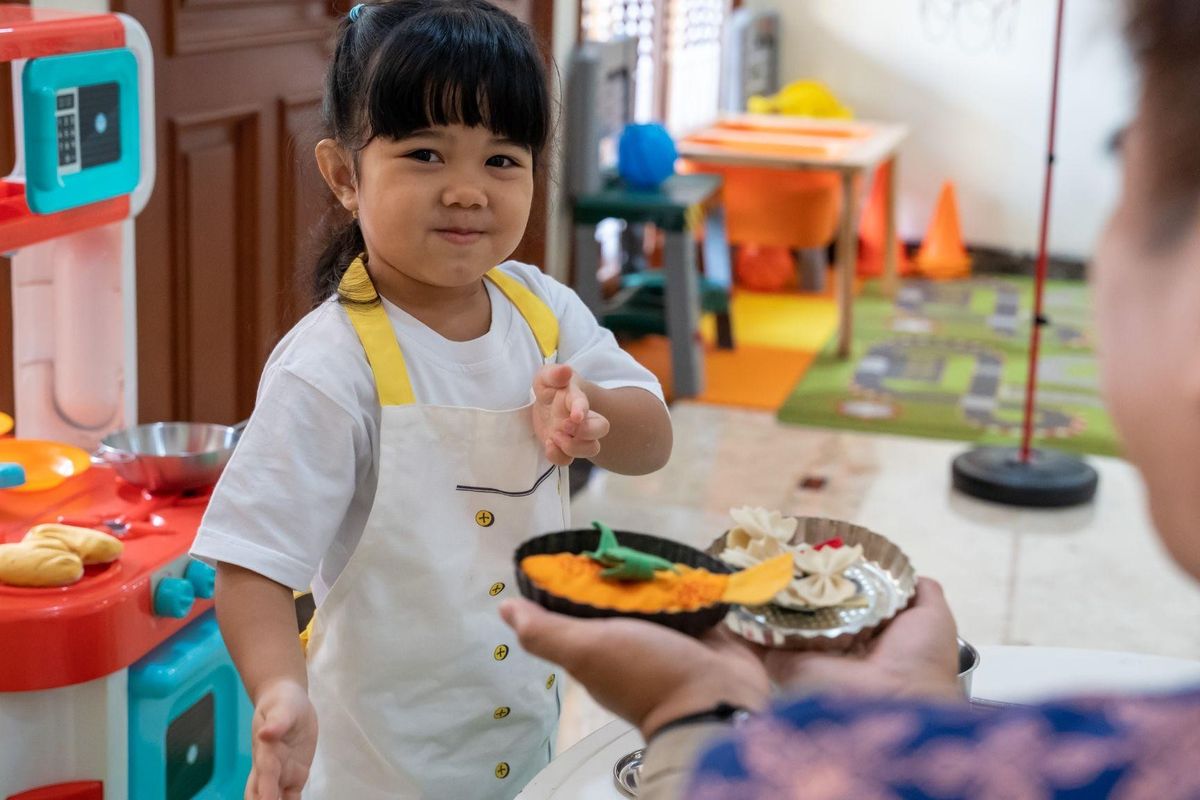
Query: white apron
x,y
420,688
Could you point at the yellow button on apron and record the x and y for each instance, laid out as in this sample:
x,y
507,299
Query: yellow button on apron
x,y
550,681
502,770
485,518
501,712
496,589
501,652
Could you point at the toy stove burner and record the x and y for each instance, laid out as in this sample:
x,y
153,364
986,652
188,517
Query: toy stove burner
x,y
141,519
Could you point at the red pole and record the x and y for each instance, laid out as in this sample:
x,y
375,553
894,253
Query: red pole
x,y
1040,281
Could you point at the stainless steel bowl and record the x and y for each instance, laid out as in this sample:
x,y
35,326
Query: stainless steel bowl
x,y
170,456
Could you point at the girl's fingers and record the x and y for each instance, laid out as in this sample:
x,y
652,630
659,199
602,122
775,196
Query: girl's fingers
x,y
577,404
550,381
556,455
576,447
593,427
267,785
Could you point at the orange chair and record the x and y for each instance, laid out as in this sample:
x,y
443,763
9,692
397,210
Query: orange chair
x,y
777,208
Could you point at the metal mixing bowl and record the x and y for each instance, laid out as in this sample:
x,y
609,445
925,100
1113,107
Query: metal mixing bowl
x,y
170,456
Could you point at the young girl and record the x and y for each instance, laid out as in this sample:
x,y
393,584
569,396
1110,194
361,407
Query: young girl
x,y
412,430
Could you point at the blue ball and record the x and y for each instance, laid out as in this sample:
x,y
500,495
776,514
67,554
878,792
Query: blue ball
x,y
646,155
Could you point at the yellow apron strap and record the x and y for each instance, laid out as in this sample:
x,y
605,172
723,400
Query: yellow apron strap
x,y
537,314
306,634
377,335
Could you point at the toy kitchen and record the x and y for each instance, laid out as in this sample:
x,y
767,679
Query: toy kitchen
x,y
114,681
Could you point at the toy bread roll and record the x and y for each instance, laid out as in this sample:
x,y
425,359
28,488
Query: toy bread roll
x,y
32,564
94,547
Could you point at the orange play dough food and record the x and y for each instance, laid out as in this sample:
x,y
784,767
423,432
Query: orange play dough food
x,y
577,578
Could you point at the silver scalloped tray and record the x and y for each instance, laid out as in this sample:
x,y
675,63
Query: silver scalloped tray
x,y
885,577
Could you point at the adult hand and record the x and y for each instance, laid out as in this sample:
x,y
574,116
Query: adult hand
x,y
915,656
645,673
562,417
283,741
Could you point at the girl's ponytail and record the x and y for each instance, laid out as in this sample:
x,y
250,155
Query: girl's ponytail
x,y
344,245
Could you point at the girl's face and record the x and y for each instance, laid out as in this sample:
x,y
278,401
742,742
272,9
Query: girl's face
x,y
444,205
1147,288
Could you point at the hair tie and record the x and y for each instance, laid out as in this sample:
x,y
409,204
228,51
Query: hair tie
x,y
354,12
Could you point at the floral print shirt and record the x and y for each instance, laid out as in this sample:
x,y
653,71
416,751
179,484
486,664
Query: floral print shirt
x,y
842,748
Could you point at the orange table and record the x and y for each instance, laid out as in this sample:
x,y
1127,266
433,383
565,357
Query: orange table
x,y
799,143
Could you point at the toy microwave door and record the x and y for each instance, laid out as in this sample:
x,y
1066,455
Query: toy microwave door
x,y
189,720
81,128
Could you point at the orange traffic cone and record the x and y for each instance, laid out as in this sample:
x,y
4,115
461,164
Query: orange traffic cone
x,y
873,229
942,255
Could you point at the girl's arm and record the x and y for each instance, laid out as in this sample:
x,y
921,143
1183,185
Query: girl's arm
x,y
258,622
639,438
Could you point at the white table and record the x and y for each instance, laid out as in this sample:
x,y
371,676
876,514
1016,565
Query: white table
x,y
1005,674
852,149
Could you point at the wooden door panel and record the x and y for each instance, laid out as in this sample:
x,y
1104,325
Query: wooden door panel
x,y
205,26
214,198
303,201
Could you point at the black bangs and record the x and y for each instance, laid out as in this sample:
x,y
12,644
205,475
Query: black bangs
x,y
452,65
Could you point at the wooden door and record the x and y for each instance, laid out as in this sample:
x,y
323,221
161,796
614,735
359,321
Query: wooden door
x,y
225,244
238,96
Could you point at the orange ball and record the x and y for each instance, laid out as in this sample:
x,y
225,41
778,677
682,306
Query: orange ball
x,y
764,269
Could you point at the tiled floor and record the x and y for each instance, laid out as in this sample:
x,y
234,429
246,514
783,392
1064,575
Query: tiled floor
x,y
1092,577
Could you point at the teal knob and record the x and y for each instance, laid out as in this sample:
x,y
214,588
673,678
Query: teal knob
x,y
173,598
11,475
202,577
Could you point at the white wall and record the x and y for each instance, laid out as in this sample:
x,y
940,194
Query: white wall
x,y
978,110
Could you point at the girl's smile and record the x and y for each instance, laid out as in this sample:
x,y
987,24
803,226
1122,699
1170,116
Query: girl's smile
x,y
459,236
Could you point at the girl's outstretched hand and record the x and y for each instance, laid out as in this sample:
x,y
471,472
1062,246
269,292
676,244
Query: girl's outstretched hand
x,y
283,740
562,417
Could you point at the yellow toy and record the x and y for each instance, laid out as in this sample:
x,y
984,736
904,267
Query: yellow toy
x,y
801,99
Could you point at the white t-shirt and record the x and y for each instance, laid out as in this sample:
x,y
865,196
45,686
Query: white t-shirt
x,y
289,506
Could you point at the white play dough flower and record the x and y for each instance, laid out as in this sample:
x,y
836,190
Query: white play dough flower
x,y
747,551
758,535
756,522
824,583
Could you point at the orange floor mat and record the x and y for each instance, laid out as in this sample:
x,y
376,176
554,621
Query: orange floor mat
x,y
777,336
749,376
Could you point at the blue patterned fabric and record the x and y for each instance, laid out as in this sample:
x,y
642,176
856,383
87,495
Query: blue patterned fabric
x,y
835,748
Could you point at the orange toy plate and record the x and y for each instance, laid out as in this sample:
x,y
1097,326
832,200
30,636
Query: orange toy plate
x,y
47,464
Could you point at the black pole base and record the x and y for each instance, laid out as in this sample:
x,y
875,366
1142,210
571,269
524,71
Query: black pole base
x,y
1050,479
